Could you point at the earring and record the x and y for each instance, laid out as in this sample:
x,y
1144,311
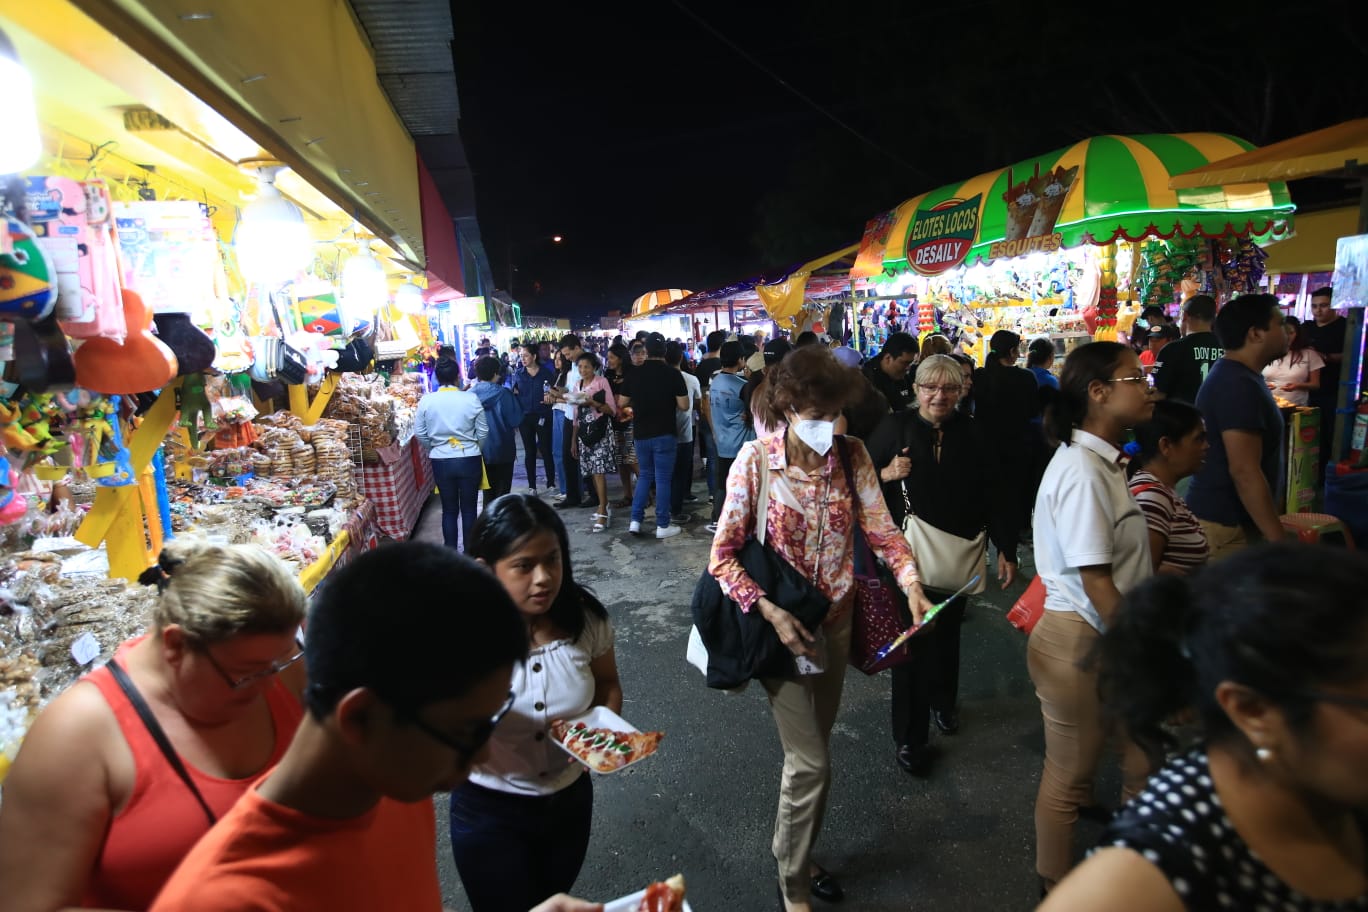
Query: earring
x,y
1264,754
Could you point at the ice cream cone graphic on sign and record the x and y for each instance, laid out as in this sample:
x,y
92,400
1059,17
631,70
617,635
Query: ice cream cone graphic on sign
x,y
1054,190
1022,201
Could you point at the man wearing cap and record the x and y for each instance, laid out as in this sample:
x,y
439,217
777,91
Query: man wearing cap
x,y
892,371
1006,398
1160,335
731,430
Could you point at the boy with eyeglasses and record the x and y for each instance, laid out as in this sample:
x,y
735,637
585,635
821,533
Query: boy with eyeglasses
x,y
403,695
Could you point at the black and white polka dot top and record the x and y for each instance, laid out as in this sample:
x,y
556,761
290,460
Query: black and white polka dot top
x,y
1179,825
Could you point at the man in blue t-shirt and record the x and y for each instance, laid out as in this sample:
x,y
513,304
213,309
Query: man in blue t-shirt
x,y
1233,494
728,413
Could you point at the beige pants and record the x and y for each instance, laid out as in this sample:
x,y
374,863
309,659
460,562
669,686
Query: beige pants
x,y
805,710
1225,540
1075,736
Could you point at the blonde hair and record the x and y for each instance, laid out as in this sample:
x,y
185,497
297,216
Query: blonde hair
x,y
935,344
940,369
215,592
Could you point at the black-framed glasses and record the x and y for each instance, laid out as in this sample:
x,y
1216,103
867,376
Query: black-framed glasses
x,y
948,390
469,744
256,676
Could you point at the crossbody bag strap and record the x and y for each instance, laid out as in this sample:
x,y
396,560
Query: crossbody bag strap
x,y
762,502
158,734
902,485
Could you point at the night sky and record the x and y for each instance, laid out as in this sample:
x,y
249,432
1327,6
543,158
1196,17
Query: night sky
x,y
667,159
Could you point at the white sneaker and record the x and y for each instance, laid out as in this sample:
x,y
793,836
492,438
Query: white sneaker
x,y
532,491
634,527
668,531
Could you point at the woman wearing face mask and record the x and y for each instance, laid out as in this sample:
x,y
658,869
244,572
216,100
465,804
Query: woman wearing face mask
x,y
1091,547
812,513
520,826
1265,809
1169,447
937,461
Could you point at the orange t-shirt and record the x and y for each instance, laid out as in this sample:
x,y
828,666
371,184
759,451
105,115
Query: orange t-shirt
x,y
265,857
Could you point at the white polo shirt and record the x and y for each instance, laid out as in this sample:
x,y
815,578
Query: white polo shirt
x,y
1085,516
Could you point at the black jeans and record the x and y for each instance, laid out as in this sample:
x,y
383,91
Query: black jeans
x,y
500,481
930,679
683,476
514,851
536,439
574,488
724,464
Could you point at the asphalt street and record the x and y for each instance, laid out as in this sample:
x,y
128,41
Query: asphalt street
x,y
704,804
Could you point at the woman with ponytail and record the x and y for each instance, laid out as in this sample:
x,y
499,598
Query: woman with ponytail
x,y
1266,809
1091,547
123,773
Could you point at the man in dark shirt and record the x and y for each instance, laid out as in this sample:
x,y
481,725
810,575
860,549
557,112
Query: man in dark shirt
x,y
892,373
706,442
1006,399
1181,366
1233,493
1327,337
655,392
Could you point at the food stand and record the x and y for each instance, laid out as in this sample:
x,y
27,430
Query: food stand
x,y
1070,244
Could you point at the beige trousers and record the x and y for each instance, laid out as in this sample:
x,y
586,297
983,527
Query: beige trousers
x,y
1225,540
805,710
1075,736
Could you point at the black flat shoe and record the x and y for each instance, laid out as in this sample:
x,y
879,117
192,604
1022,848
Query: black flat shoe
x,y
947,721
916,761
826,887
779,888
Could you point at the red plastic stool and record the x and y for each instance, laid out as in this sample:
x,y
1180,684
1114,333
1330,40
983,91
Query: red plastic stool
x,y
1317,528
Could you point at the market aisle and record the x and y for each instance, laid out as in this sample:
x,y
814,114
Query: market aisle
x,y
705,804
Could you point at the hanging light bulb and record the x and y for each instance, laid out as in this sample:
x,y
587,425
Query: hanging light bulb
x,y
20,144
364,289
408,298
272,241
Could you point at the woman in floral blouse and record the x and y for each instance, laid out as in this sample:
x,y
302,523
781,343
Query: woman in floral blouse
x,y
811,520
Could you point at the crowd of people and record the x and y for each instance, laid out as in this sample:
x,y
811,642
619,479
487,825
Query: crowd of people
x,y
207,767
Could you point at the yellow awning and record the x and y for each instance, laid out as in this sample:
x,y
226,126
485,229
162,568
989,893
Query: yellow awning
x,y
241,79
1312,248
784,300
1317,152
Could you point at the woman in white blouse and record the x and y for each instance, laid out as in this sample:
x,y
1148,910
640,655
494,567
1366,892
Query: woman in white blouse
x,y
1091,547
1296,374
520,826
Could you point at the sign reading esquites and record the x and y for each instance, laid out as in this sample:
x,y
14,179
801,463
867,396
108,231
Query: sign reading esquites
x,y
940,237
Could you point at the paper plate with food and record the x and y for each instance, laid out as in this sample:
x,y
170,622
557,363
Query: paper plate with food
x,y
663,896
604,741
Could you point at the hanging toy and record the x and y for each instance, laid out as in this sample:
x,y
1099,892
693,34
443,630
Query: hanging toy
x,y
27,277
195,411
13,505
114,455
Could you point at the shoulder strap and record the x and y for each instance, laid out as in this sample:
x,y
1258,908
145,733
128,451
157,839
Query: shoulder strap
x,y
762,502
843,451
158,735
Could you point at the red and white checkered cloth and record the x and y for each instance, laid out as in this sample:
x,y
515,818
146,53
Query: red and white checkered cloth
x,y
422,471
394,491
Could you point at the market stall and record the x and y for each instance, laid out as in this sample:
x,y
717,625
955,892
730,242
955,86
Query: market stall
x,y
1069,244
185,321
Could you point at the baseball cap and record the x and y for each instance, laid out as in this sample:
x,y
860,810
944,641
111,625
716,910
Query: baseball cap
x,y
756,362
776,349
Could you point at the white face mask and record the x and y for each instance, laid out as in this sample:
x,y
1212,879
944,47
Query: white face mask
x,y
814,432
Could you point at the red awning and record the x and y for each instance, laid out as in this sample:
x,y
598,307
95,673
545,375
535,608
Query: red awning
x,y
445,277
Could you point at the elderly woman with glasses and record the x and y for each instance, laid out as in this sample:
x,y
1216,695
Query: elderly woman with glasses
x,y
124,772
520,825
937,465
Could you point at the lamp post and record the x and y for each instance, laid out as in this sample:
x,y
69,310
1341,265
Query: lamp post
x,y
553,238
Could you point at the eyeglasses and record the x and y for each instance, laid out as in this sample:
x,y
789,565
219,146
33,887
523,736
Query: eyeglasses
x,y
254,677
1140,379
469,745
948,390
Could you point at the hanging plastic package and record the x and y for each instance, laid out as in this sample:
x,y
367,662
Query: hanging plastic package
x,y
56,208
102,313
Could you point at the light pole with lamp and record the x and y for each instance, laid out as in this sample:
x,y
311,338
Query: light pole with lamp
x,y
553,238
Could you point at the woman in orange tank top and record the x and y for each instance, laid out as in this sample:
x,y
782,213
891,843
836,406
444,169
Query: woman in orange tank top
x,y
96,814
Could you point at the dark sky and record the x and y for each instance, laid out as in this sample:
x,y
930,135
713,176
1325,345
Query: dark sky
x,y
667,159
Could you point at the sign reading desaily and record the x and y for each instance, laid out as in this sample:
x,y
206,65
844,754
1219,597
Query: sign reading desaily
x,y
940,237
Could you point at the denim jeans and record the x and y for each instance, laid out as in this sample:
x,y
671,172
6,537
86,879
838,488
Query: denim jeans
x,y
514,851
458,482
656,462
558,447
683,476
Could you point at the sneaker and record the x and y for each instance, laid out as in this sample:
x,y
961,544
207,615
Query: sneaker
x,y
691,498
558,496
668,531
712,528
681,518
634,527
532,491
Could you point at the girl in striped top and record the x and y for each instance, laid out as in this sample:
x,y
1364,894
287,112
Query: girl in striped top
x,y
1172,446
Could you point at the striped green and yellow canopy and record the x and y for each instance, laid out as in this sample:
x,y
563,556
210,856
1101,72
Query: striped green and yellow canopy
x,y
1120,191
